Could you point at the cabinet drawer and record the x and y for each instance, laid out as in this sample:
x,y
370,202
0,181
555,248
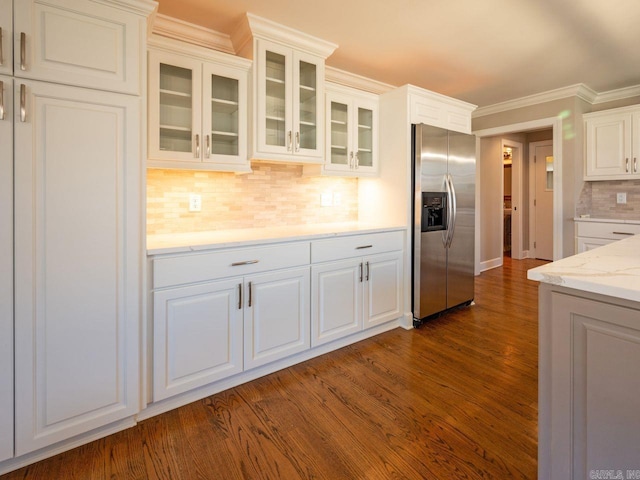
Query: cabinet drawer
x,y
355,246
200,267
613,231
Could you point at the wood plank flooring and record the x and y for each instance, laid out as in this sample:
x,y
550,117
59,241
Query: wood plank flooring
x,y
455,399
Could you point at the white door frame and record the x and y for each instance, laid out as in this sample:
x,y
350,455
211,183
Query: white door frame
x,y
556,124
516,199
532,184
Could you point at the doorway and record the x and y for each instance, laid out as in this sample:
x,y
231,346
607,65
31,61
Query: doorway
x,y
512,154
541,166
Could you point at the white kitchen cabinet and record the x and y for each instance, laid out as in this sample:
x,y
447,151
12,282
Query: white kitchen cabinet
x,y
276,316
92,44
77,261
612,144
290,89
6,268
593,234
197,108
589,384
352,131
197,336
6,37
217,313
287,92
352,291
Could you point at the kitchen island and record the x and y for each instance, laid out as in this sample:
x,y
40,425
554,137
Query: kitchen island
x,y
589,361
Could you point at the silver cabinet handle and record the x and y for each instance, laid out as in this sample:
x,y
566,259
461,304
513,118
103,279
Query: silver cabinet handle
x,y
627,165
239,296
363,246
1,48
249,287
246,262
635,165
208,150
23,103
297,141
367,265
23,51
357,161
197,152
360,272
623,233
1,100
351,159
289,142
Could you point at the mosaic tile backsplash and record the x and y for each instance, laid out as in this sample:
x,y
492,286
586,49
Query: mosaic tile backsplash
x,y
599,200
273,195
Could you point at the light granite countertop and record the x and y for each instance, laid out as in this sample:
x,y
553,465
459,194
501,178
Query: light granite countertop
x,y
612,269
606,220
198,241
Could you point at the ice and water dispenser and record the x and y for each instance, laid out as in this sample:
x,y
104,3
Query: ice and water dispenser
x,y
434,211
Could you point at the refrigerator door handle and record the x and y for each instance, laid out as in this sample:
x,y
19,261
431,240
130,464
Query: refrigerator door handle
x,y
454,209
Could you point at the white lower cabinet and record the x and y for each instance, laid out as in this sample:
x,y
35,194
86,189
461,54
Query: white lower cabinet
x,y
356,292
197,336
209,325
593,234
77,261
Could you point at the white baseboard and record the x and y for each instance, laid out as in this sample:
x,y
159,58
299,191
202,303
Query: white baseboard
x,y
489,264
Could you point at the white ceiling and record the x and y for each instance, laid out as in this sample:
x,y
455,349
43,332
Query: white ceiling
x,y
480,51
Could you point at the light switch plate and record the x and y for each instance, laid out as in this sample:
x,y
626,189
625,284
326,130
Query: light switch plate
x,y
621,198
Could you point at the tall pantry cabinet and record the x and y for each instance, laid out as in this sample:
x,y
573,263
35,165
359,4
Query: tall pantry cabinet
x,y
74,111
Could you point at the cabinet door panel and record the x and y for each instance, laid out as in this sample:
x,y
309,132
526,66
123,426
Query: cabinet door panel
x,y
276,315
78,43
197,337
308,100
336,305
6,272
77,257
6,37
608,146
175,107
382,298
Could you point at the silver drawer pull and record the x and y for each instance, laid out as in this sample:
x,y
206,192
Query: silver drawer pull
x,y
1,100
247,262
623,233
364,246
1,56
23,51
23,103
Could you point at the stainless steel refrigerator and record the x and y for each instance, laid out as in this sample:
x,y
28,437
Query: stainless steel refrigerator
x,y
444,172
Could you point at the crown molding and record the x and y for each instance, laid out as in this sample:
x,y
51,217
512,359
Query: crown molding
x,y
438,97
619,94
359,82
190,33
578,90
258,27
141,7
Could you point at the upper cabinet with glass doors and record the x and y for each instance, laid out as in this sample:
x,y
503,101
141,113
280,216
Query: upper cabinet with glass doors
x,y
197,108
352,131
288,91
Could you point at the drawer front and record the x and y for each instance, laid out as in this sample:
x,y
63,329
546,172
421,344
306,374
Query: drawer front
x,y
355,246
201,267
613,231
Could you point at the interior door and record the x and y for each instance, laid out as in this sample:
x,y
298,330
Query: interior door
x,y
543,201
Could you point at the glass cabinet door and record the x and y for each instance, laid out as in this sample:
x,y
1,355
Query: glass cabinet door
x,y
276,102
176,100
175,106
364,154
339,134
306,133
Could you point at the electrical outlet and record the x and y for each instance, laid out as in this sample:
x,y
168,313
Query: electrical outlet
x,y
621,198
326,199
337,199
195,202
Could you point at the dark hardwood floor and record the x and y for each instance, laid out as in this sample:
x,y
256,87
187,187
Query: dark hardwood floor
x,y
455,399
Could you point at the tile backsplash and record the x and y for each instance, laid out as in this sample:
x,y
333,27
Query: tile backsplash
x,y
273,195
599,200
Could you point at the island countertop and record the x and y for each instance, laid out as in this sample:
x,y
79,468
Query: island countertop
x,y
612,270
